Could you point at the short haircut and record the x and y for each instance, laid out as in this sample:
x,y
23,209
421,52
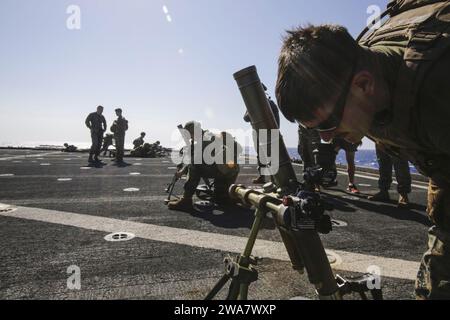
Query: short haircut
x,y
118,110
314,64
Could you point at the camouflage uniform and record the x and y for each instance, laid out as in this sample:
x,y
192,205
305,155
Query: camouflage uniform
x,y
401,168
276,114
224,174
415,66
119,127
308,141
138,142
70,148
340,143
107,141
97,124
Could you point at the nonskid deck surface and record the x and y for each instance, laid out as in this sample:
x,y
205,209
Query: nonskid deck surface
x,y
63,211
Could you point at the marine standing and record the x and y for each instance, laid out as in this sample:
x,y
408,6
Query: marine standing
x,y
402,175
119,127
96,122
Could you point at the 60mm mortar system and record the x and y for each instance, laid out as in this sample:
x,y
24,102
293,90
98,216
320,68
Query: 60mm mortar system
x,y
296,209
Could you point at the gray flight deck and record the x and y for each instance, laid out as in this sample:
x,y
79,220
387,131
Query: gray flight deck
x,y
48,225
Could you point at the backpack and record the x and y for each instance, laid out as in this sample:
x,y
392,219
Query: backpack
x,y
413,14
425,26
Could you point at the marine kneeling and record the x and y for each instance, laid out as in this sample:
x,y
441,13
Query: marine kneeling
x,y
209,156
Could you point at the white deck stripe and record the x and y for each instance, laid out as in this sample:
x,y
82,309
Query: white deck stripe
x,y
25,202
31,155
78,176
353,262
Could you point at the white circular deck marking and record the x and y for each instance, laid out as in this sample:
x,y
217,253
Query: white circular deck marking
x,y
40,158
138,159
131,189
17,161
85,168
364,185
172,168
34,161
7,175
248,168
45,164
5,208
134,173
342,260
67,159
166,161
137,164
119,236
64,179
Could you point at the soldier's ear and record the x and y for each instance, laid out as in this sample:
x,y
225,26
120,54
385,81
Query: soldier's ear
x,y
364,83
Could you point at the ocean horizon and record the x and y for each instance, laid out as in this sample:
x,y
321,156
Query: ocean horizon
x,y
363,157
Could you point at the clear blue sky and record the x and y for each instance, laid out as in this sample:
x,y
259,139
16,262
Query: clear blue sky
x,y
127,54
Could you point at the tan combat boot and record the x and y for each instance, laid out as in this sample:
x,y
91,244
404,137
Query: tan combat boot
x,y
382,196
183,204
403,201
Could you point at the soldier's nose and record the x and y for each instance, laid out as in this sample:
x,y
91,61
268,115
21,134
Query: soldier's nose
x,y
327,136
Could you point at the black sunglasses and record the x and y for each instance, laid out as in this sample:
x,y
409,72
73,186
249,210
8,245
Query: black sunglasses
x,y
334,120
